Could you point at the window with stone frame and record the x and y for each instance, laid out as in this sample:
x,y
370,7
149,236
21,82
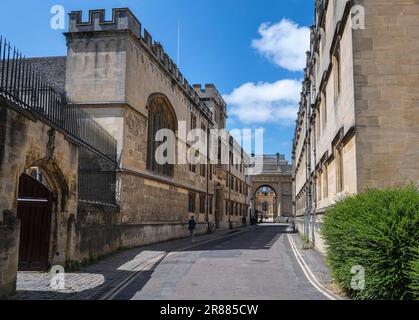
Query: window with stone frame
x,y
227,207
193,121
319,186
210,204
317,125
191,204
192,165
337,77
219,150
202,199
203,170
265,206
324,109
160,116
325,181
339,169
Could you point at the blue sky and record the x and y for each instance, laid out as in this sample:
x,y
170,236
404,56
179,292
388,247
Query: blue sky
x,y
251,50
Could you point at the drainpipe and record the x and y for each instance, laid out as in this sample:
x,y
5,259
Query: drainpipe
x,y
313,212
308,175
230,159
207,180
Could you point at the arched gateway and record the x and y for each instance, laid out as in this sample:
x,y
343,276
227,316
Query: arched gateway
x,y
271,188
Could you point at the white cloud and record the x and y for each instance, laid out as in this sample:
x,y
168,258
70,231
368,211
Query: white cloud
x,y
256,103
284,43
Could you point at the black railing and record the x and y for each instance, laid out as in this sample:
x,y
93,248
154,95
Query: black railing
x,y
29,89
97,178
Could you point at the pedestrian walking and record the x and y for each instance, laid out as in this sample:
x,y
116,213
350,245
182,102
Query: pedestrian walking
x,y
192,227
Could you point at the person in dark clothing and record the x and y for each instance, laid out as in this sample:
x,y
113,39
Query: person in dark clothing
x,y
244,221
192,227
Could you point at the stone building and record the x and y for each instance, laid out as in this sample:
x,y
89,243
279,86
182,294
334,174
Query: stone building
x,y
83,139
270,179
357,125
118,73
265,203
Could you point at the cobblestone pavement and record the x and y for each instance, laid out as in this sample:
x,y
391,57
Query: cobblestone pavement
x,y
96,280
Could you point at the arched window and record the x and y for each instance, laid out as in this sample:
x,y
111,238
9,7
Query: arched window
x,y
160,116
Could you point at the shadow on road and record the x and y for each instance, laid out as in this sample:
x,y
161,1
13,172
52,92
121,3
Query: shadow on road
x,y
261,238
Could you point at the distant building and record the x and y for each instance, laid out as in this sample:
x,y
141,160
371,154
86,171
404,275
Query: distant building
x,y
270,178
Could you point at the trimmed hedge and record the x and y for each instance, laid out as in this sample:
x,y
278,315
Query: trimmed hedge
x,y
378,230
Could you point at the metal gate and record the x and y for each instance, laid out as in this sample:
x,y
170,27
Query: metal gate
x,y
34,210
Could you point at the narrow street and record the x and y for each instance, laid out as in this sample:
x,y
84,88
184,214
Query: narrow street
x,y
255,264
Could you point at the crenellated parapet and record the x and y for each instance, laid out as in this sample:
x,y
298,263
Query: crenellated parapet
x,y
124,20
209,91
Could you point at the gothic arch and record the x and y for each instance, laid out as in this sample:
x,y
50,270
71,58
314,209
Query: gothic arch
x,y
161,115
47,173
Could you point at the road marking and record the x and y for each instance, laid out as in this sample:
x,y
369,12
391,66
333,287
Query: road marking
x,y
148,265
151,264
309,274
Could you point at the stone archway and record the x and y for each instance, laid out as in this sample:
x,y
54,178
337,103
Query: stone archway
x,y
47,177
265,203
276,173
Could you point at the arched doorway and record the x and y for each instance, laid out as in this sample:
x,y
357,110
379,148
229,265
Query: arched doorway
x,y
265,204
34,209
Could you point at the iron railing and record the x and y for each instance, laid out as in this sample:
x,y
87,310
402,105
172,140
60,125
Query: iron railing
x,y
30,89
97,178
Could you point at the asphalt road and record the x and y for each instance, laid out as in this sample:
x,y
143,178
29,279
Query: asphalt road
x,y
253,265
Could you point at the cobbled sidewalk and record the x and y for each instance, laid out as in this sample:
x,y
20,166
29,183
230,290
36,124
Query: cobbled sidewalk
x,y
94,281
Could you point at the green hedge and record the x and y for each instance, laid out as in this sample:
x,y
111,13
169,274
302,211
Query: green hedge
x,y
378,230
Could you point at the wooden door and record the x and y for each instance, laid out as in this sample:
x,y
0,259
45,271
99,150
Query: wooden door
x,y
34,210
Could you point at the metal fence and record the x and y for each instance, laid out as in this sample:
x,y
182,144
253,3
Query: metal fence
x,y
29,89
97,178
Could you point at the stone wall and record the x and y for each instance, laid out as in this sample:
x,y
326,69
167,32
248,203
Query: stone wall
x,y
9,254
99,240
386,55
319,243
26,141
